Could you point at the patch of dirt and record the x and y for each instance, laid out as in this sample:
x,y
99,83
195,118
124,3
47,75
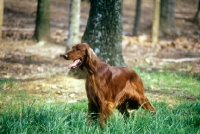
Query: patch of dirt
x,y
39,70
176,54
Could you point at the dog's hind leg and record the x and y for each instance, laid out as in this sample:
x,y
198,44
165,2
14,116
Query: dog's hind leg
x,y
123,110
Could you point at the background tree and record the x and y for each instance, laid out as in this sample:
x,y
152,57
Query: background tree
x,y
74,22
137,18
155,28
104,30
167,17
197,15
42,29
1,16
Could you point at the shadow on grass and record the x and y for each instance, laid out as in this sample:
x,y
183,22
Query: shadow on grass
x,y
10,80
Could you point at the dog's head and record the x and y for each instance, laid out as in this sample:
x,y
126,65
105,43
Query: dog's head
x,y
81,54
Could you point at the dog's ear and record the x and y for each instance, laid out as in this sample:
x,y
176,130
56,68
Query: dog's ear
x,y
91,53
89,50
92,59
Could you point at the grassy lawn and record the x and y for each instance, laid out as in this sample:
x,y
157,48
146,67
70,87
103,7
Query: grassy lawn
x,y
169,82
20,113
183,118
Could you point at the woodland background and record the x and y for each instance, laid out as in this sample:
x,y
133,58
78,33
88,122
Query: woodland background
x,y
34,66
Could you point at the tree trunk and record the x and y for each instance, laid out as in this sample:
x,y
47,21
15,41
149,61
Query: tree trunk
x,y
104,30
42,29
1,16
155,28
74,22
167,17
137,18
197,15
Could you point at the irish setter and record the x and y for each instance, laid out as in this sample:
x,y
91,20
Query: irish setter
x,y
108,87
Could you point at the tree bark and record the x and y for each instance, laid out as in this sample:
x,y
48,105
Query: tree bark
x,y
155,28
137,18
197,15
167,17
104,30
1,16
74,22
42,29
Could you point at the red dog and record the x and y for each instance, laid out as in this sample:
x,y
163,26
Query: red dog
x,y
108,87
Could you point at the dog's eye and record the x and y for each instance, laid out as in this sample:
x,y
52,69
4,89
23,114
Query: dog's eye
x,y
78,49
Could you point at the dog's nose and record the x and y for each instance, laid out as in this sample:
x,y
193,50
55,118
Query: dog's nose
x,y
64,56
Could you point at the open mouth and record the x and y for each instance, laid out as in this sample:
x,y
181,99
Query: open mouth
x,y
76,63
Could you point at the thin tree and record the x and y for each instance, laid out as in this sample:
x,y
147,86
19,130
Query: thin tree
x,y
197,15
167,17
74,22
1,16
42,29
137,17
104,30
155,28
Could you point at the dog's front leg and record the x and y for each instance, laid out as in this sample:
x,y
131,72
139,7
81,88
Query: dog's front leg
x,y
102,119
105,111
92,112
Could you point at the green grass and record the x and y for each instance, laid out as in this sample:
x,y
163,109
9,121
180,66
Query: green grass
x,y
176,83
71,119
35,116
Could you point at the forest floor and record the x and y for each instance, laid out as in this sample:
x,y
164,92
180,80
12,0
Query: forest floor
x,y
38,69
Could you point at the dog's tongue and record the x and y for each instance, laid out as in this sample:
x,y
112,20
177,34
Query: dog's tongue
x,y
74,64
